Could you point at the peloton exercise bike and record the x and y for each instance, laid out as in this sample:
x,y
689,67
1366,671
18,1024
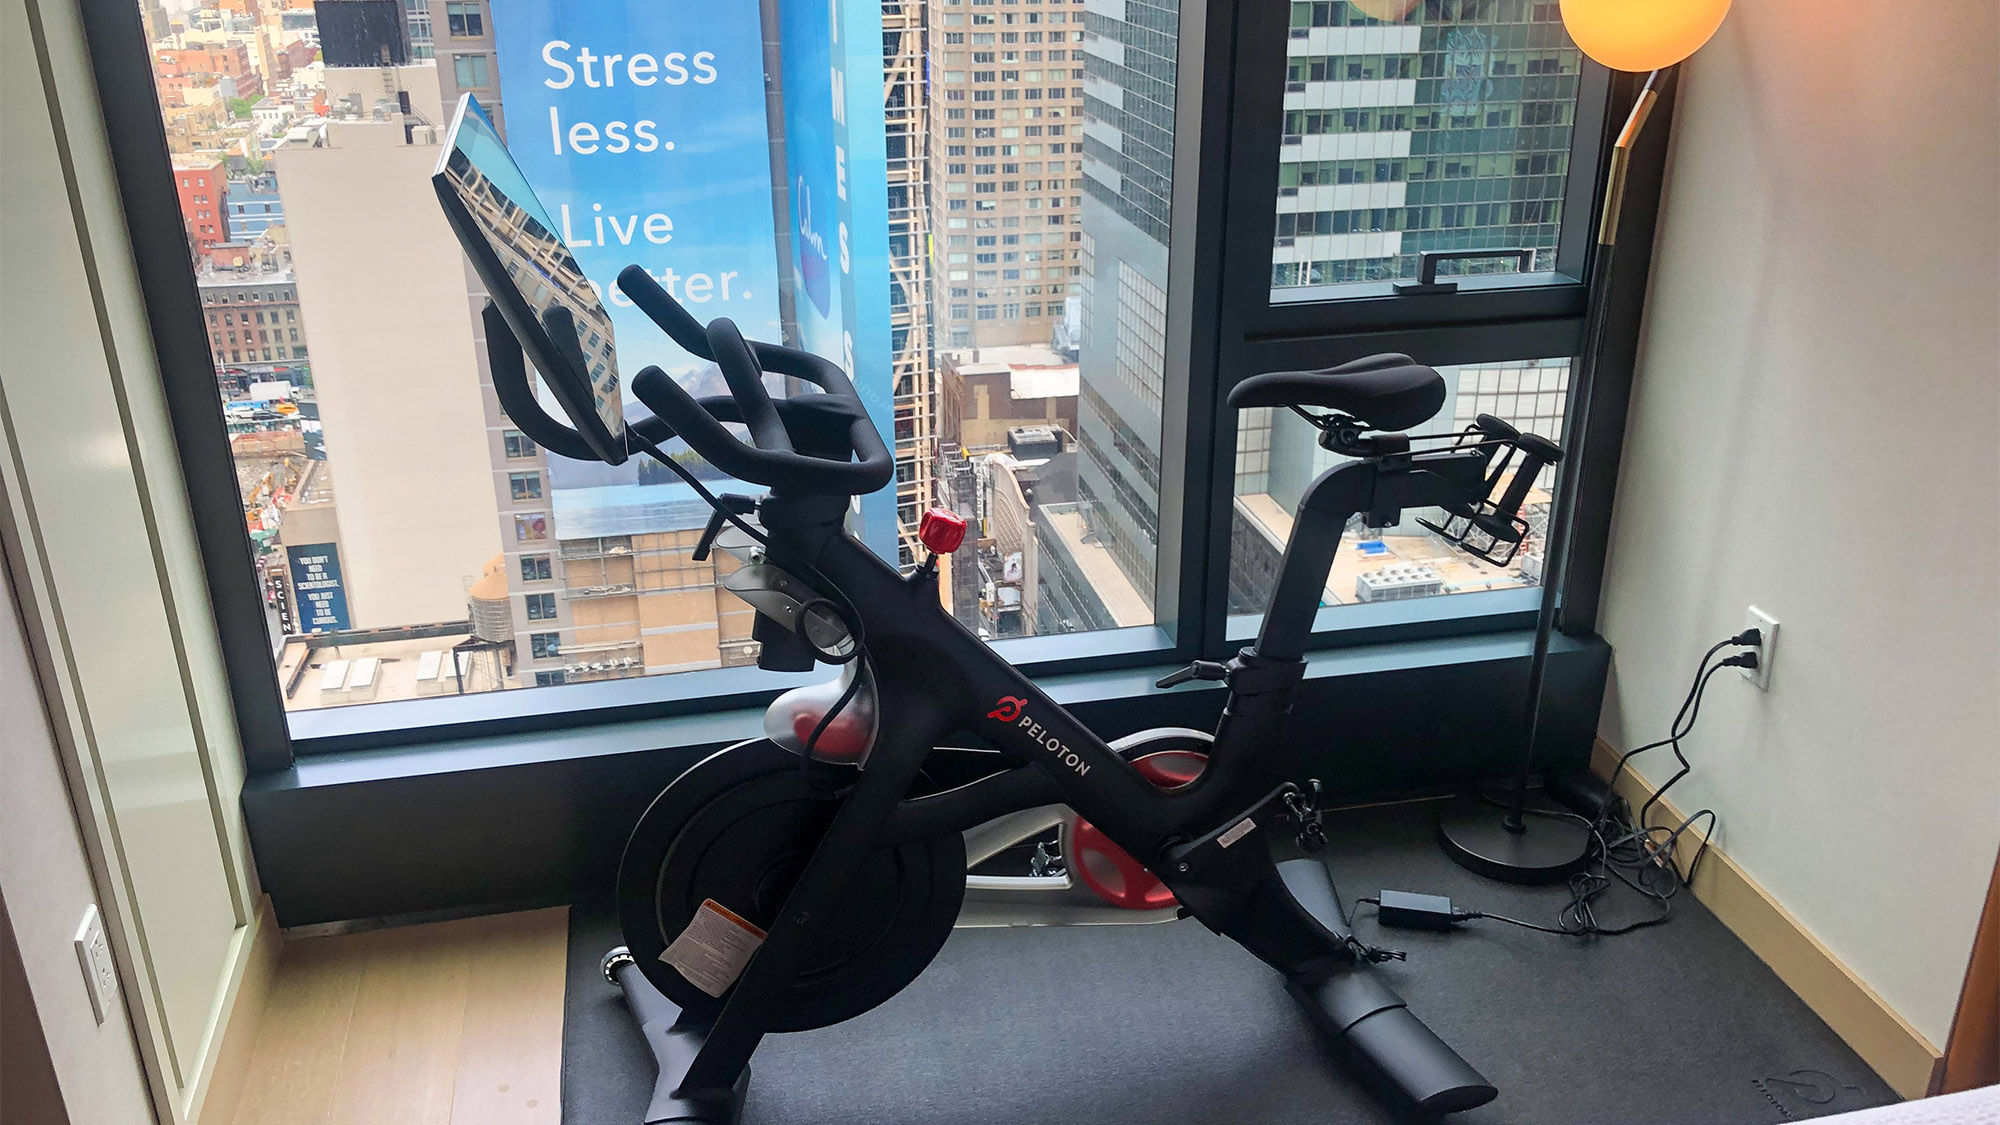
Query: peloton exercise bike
x,y
798,880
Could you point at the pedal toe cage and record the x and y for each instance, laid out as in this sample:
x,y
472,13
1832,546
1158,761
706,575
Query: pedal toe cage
x,y
1490,526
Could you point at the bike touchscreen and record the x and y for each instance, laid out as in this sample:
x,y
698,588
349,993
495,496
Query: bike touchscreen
x,y
530,273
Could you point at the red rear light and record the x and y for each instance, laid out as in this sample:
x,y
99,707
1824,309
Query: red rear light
x,y
941,531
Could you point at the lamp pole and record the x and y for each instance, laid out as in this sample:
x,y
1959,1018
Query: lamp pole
x,y
1510,847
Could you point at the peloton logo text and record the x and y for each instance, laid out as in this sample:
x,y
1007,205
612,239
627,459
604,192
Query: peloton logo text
x,y
1011,709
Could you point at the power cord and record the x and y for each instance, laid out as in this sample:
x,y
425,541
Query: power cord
x,y
850,615
1624,849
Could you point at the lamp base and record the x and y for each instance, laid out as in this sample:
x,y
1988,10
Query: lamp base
x,y
1475,835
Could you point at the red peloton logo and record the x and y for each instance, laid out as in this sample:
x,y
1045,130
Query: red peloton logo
x,y
1011,709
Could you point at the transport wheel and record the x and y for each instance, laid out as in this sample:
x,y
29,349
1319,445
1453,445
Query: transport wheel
x,y
738,829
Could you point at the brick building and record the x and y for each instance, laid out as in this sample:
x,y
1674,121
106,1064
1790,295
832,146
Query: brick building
x,y
986,392
253,318
204,196
176,69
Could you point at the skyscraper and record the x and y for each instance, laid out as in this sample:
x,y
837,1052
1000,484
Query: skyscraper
x,y
1007,91
1446,129
1128,152
399,388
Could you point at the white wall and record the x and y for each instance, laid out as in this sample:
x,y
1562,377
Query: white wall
x,y
110,588
1816,430
45,877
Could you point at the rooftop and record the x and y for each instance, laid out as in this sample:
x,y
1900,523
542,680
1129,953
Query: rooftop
x,y
218,279
1121,599
980,361
1462,574
318,675
1033,370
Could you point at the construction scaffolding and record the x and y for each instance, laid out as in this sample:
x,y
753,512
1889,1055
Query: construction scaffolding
x,y
905,113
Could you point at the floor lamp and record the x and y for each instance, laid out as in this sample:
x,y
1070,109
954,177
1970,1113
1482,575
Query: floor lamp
x,y
1512,843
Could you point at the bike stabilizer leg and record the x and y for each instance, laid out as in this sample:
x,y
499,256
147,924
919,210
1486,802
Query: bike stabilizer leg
x,y
1352,1006
1288,916
674,1047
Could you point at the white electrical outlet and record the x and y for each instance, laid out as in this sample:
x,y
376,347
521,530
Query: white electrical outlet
x,y
1767,626
93,955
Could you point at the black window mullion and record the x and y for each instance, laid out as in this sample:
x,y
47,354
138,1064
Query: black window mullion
x,y
1486,303
1241,138
1597,482
1588,144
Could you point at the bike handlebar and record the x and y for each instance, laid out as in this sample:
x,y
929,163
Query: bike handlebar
x,y
770,459
843,451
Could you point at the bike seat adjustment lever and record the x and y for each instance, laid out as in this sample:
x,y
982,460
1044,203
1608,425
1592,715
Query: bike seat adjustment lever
x,y
1199,670
732,504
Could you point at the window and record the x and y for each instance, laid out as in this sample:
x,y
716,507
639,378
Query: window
x,y
470,70
465,20
1458,124
1278,455
1036,273
549,679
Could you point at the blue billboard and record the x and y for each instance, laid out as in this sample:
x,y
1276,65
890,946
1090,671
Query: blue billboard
x,y
320,598
836,174
644,127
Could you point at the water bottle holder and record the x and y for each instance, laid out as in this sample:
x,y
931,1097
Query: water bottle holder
x,y
1486,533
1490,526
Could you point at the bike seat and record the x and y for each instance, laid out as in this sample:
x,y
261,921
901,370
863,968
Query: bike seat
x,y
1382,392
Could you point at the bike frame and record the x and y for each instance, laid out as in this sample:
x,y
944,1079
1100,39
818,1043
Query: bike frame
x,y
934,677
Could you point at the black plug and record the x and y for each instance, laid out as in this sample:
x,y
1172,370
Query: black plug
x,y
1740,660
1748,637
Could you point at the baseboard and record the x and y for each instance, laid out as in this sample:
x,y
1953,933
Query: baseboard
x,y
1897,1051
235,1036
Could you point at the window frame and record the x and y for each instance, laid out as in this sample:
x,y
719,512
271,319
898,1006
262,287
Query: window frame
x,y
1491,318
1228,108
460,24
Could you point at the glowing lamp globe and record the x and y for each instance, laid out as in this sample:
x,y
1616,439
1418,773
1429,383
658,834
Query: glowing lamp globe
x,y
1385,11
1642,35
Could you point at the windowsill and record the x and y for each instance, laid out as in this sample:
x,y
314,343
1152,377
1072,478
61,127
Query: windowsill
x,y
560,715
563,710
507,817
715,729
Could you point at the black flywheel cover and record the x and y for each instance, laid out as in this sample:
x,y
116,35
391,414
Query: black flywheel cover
x,y
738,828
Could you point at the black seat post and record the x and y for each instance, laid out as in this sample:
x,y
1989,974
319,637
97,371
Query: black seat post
x,y
1322,517
1381,485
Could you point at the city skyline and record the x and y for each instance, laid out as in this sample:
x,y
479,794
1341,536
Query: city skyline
x,y
1024,212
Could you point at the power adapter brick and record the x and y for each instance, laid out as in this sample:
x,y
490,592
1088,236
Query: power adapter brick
x,y
1407,911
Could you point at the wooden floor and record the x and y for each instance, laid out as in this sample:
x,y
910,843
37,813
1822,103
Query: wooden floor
x,y
452,1022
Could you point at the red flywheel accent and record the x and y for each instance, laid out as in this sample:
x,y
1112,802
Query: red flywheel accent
x,y
1107,868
